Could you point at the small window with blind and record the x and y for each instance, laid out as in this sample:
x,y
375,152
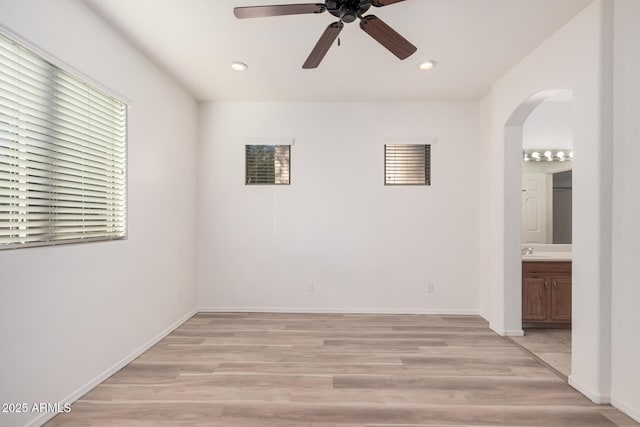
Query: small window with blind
x,y
62,155
267,164
407,164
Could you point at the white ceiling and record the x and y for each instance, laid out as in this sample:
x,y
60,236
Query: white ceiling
x,y
474,41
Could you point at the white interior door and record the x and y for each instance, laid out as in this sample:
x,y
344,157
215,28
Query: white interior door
x,y
534,208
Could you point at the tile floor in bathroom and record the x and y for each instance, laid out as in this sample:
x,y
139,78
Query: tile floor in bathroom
x,y
552,346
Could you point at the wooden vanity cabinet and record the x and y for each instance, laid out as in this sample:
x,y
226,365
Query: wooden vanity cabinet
x,y
546,292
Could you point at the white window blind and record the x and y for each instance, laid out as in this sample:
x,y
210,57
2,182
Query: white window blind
x,y
62,155
407,164
267,164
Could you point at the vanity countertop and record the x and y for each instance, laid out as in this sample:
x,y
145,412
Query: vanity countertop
x,y
547,253
547,257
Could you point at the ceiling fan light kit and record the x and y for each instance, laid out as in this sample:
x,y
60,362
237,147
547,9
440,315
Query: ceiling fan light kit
x,y
347,11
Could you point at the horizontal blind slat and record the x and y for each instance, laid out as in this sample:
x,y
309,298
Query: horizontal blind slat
x,y
62,111
56,174
55,144
89,236
42,149
32,189
38,184
40,161
37,74
20,212
24,135
16,89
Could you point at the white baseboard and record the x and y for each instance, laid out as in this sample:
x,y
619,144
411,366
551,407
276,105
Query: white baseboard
x,y
626,408
112,370
600,399
461,312
506,332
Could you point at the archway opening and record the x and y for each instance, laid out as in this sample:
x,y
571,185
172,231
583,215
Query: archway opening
x,y
513,170
546,161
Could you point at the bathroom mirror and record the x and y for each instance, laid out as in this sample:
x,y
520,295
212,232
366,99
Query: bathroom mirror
x,y
547,160
546,201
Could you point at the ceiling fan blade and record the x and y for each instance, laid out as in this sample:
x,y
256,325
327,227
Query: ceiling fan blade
x,y
387,36
380,3
324,44
278,10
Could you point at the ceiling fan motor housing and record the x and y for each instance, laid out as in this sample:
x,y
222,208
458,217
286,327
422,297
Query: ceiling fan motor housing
x,y
348,10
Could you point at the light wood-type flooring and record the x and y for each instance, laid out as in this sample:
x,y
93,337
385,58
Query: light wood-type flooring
x,y
315,370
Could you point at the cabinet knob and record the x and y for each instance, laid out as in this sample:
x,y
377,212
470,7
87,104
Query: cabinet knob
x,y
546,285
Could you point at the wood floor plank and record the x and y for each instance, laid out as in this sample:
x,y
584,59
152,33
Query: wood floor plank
x,y
336,370
498,415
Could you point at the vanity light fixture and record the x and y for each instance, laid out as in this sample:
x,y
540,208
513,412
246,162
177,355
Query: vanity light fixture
x,y
239,66
427,65
547,155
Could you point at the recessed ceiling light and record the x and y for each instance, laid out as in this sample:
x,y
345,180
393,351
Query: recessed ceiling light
x,y
427,65
239,66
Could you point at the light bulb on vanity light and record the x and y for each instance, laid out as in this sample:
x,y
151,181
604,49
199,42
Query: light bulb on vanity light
x,y
560,156
536,156
548,155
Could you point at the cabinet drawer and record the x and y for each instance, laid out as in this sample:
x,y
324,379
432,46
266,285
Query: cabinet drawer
x,y
546,269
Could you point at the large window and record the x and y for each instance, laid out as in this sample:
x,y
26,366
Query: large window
x,y
407,164
62,155
267,164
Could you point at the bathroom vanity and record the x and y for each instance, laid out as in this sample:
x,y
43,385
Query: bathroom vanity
x,y
546,287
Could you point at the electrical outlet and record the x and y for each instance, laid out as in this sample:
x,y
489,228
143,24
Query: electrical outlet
x,y
310,286
431,287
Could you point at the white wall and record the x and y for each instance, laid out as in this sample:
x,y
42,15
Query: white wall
x,y
550,125
625,387
365,246
68,314
486,238
575,59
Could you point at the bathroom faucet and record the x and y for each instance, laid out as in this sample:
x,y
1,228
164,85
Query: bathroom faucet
x,y
527,251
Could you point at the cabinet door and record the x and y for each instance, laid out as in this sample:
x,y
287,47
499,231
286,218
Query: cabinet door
x,y
535,299
561,299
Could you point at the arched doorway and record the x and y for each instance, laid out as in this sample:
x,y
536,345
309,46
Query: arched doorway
x,y
513,135
546,230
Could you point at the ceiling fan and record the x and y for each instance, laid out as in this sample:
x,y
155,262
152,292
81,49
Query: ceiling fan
x,y
346,11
